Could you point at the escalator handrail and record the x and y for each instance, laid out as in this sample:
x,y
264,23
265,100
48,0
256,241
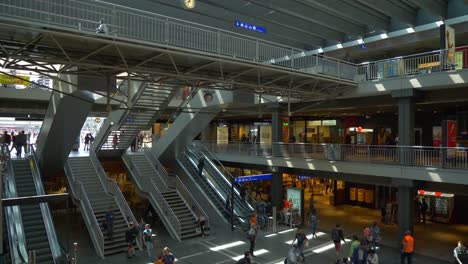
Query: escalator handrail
x,y
224,173
88,213
111,187
45,210
245,219
242,203
18,242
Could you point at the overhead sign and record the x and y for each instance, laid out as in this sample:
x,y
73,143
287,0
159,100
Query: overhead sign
x,y
250,27
305,177
258,177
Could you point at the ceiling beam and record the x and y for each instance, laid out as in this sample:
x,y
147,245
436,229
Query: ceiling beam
x,y
313,15
391,9
275,22
224,19
437,8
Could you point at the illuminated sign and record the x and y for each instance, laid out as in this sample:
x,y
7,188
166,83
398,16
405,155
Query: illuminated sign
x,y
285,124
259,177
250,27
305,177
328,122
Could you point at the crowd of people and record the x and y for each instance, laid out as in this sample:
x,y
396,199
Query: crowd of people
x,y
17,142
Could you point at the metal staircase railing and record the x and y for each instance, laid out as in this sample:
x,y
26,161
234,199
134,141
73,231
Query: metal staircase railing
x,y
147,185
79,193
111,187
190,201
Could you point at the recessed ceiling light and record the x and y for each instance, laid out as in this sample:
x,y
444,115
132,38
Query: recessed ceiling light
x,y
360,41
320,50
384,35
439,23
339,45
410,30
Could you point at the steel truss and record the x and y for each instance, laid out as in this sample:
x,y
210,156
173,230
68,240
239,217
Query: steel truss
x,y
52,52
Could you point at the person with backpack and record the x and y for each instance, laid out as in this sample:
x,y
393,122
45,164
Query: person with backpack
x,y
148,240
245,259
110,222
360,253
168,257
252,236
424,206
460,254
301,241
337,236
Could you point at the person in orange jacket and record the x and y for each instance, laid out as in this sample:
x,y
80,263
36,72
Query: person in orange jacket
x,y
407,248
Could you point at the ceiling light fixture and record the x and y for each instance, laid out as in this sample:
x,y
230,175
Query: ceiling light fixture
x,y
439,23
410,30
339,46
360,41
384,35
320,50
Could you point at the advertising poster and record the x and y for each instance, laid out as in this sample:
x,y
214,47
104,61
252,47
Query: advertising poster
x,y
352,194
451,137
222,135
436,136
265,134
447,37
296,195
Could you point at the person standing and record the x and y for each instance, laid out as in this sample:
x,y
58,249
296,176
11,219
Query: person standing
x,y
337,236
242,192
424,206
133,145
168,257
407,248
110,222
87,141
292,255
354,245
202,223
460,254
314,223
252,236
148,240
129,240
102,28
20,142
12,138
245,259
6,141
201,164
375,231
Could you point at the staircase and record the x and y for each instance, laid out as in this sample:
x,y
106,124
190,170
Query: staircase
x,y
33,223
177,216
144,112
83,171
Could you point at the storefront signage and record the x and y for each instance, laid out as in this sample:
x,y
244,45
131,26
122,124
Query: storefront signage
x,y
328,122
259,177
222,135
251,27
314,123
428,65
438,194
285,124
305,177
360,130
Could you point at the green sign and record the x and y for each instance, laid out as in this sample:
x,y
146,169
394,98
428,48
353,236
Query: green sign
x,y
285,124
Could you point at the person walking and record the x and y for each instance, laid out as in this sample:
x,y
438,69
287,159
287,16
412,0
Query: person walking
x,y
109,216
360,253
202,223
301,241
375,231
115,141
424,206
87,141
148,240
168,257
245,259
354,245
130,238
337,236
6,142
460,254
407,248
133,145
314,223
252,236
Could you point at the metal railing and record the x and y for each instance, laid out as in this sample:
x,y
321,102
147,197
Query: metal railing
x,y
147,185
79,193
111,187
423,63
167,179
190,201
439,157
45,210
138,25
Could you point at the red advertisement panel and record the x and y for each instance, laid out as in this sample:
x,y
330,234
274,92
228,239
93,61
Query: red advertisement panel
x,y
451,133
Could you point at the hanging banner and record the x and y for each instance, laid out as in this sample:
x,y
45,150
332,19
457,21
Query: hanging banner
x,y
259,177
447,38
451,137
436,136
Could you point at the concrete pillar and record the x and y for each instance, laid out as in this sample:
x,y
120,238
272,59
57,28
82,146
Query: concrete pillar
x,y
405,198
406,121
276,131
276,190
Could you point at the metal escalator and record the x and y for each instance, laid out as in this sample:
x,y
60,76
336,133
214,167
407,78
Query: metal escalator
x,y
33,222
215,190
95,194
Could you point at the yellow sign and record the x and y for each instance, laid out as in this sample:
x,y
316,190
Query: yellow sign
x,y
429,64
97,120
7,79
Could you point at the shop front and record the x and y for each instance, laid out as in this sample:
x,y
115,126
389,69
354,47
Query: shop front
x,y
440,206
318,131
